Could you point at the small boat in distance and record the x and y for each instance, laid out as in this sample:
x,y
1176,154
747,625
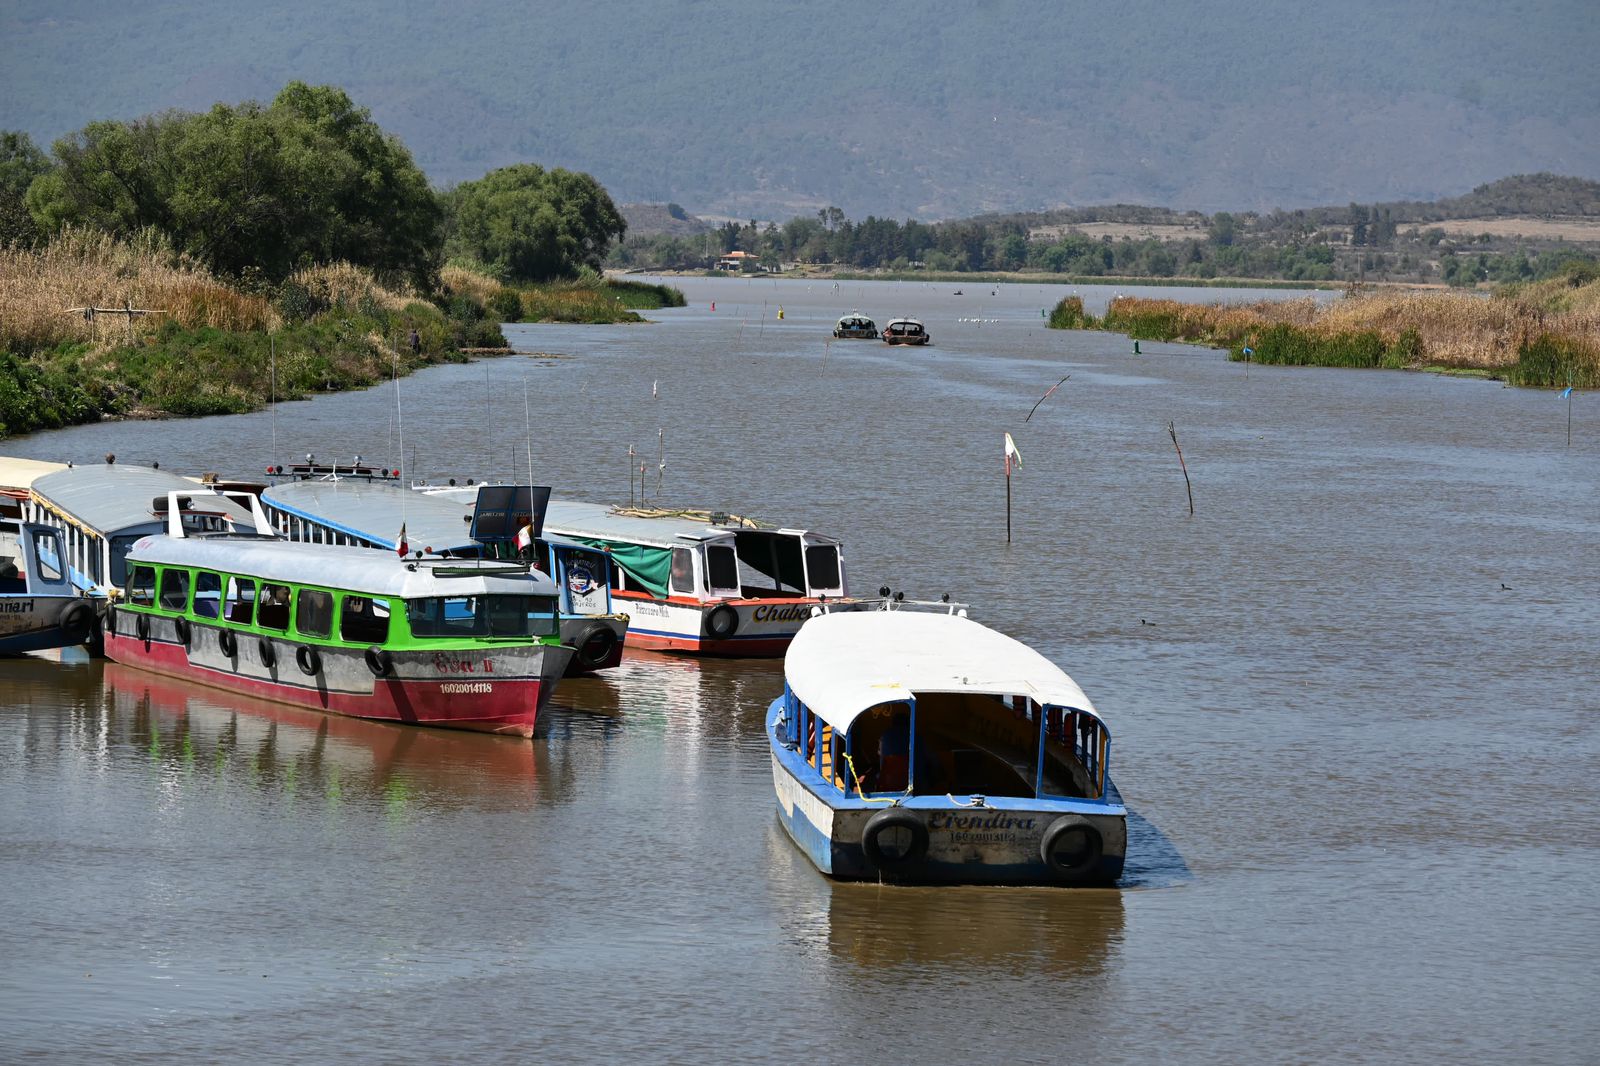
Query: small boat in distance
x,y
855,326
905,331
352,631
918,746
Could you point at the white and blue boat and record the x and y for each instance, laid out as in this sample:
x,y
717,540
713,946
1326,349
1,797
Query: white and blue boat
x,y
917,746
39,608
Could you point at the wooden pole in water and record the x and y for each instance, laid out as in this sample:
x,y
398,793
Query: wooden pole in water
x,y
1569,407
1008,501
1173,433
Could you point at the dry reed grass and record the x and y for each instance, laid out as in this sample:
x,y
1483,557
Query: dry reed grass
x,y
347,285
457,279
1457,330
83,268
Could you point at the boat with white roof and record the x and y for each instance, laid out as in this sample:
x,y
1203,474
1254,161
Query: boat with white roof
x,y
918,746
368,507
706,582
349,630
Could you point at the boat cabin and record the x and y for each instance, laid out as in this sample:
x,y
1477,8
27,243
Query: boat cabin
x,y
856,326
906,331
102,511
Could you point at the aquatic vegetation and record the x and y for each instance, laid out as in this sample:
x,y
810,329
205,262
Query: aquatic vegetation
x,y
1543,334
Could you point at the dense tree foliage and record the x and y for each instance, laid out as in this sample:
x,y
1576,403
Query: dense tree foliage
x,y
525,223
21,162
252,189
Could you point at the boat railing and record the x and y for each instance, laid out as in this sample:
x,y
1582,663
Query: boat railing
x,y
179,501
888,600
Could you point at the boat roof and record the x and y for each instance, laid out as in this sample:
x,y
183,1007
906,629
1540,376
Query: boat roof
x,y
843,664
905,322
110,497
855,316
21,473
375,510
599,521
369,570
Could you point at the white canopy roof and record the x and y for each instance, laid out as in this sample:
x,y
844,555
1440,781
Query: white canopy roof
x,y
843,664
369,570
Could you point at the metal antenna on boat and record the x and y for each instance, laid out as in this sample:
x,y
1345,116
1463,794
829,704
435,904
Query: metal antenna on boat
x,y
272,350
528,423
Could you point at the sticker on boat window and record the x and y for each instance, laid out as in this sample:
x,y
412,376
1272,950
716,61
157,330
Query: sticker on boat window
x,y
580,577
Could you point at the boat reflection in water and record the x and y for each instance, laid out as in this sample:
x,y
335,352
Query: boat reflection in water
x,y
1012,931
305,752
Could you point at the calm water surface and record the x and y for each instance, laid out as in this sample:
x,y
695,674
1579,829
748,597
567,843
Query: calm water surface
x,y
1354,699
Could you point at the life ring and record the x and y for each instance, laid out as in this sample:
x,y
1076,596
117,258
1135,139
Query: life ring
x,y
894,856
722,623
181,626
1071,846
379,661
307,659
269,656
76,622
595,646
227,642
141,625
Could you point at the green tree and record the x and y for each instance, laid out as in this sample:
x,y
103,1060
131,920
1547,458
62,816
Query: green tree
x,y
309,179
526,223
21,162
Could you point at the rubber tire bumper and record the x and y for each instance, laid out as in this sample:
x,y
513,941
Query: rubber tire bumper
x,y
76,622
886,821
379,661
269,657
722,623
595,646
308,660
1080,860
227,642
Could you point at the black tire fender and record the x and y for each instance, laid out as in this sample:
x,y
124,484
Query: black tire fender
x,y
141,626
308,660
595,646
379,661
722,623
181,626
1071,846
269,655
227,642
77,622
886,821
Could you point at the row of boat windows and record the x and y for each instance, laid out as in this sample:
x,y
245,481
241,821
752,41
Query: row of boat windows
x,y
723,570
357,619
962,744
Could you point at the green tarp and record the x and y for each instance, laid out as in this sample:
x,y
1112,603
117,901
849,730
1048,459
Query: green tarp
x,y
649,567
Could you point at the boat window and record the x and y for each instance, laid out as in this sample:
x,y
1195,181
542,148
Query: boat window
x,y
482,616
174,590
120,547
682,571
142,586
273,609
313,612
822,567
1075,754
770,564
240,605
883,748
363,620
722,567
47,549
207,594
971,743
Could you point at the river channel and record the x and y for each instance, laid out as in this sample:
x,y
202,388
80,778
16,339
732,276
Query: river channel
x,y
1355,701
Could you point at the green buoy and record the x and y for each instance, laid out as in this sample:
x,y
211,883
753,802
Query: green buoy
x,y
1136,350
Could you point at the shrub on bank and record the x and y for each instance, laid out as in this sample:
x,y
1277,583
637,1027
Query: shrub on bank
x,y
1069,314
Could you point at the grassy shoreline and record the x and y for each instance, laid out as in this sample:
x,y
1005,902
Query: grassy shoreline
x,y
1545,334
211,347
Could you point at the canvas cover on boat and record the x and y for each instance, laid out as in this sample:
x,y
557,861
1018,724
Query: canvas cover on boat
x,y
648,566
843,664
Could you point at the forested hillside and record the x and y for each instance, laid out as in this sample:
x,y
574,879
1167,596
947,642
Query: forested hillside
x,y
899,109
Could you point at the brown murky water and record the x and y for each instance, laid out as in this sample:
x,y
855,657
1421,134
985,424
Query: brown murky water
x,y
1354,699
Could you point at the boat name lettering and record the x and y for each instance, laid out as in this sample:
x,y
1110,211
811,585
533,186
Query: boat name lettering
x,y
16,606
465,687
792,613
445,665
659,610
969,822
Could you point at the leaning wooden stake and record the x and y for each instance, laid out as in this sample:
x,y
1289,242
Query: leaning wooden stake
x,y
1173,433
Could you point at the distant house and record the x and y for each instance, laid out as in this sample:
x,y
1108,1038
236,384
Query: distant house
x,y
737,261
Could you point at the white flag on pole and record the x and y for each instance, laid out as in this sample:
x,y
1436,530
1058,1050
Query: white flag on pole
x,y
1012,455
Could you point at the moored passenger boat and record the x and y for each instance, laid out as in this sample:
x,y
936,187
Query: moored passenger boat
x,y
856,326
353,631
922,747
39,608
362,507
905,331
703,582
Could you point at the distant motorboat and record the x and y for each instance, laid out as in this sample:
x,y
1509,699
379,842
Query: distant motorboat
x,y
906,331
856,326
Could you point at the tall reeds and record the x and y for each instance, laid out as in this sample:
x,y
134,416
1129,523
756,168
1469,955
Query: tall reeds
x,y
87,268
1528,337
